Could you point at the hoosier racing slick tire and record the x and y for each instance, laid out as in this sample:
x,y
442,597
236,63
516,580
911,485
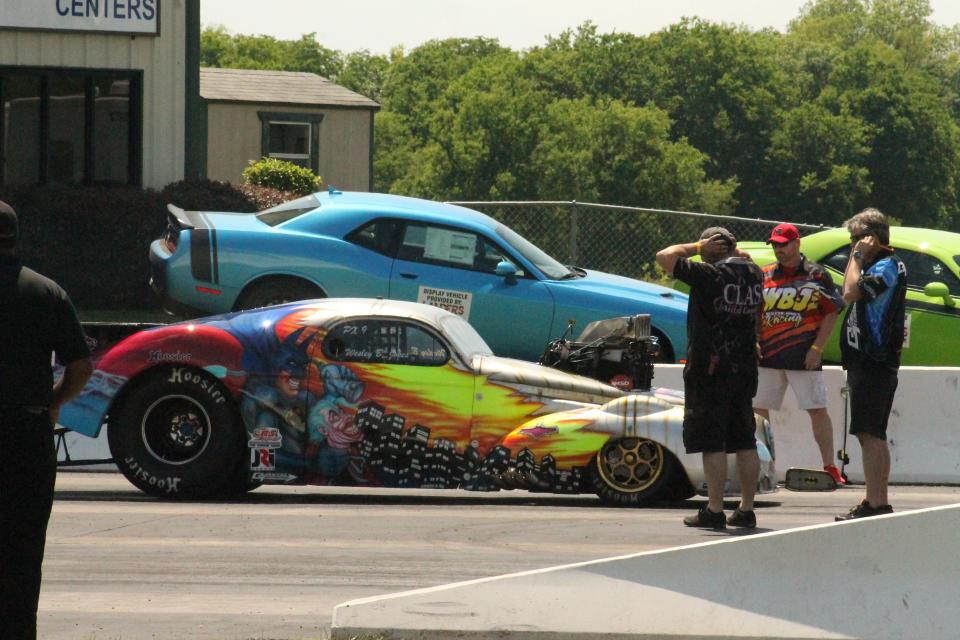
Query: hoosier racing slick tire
x,y
633,471
177,434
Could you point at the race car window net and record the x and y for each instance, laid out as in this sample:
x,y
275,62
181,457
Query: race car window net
x,y
288,210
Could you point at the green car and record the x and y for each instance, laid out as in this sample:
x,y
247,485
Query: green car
x,y
932,258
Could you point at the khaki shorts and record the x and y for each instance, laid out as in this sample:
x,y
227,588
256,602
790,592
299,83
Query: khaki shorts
x,y
808,386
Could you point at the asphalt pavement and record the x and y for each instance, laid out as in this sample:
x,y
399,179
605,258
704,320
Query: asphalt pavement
x,y
121,565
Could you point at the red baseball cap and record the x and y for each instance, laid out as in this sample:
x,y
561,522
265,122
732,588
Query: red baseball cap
x,y
784,233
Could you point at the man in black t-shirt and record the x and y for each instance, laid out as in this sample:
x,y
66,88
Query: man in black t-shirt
x,y
36,321
720,376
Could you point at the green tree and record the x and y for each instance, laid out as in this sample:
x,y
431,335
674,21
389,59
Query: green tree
x,y
607,151
366,73
725,93
815,169
220,49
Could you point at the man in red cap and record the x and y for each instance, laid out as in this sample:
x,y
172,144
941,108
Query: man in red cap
x,y
801,305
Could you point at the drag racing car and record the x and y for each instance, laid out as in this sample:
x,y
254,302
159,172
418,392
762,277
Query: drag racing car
x,y
368,392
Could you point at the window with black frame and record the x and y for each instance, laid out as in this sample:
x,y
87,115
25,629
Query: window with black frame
x,y
70,126
293,137
385,341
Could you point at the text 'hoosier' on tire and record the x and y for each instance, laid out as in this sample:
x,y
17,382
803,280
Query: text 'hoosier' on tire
x,y
177,434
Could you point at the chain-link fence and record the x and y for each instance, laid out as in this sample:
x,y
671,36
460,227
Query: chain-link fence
x,y
611,238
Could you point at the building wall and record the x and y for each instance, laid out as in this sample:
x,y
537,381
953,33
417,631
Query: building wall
x,y
233,140
162,59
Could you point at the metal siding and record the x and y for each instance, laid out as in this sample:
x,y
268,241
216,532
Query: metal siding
x,y
345,148
162,59
234,139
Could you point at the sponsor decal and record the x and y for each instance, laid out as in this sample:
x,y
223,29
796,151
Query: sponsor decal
x,y
539,431
272,476
168,356
906,331
181,375
263,459
170,484
457,302
622,381
268,437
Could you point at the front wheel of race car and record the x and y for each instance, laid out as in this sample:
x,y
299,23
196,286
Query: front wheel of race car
x,y
178,435
633,471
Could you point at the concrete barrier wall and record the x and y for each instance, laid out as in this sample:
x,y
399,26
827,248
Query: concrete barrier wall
x,y
924,430
884,577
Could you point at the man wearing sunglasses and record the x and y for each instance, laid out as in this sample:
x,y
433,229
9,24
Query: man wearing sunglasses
x,y
875,287
801,305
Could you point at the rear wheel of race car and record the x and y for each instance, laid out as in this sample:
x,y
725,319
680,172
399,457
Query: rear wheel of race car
x,y
633,471
277,290
177,434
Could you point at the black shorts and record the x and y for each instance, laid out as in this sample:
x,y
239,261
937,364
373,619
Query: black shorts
x,y
871,399
718,413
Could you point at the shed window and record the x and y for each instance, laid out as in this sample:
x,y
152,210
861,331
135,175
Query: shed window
x,y
70,126
293,137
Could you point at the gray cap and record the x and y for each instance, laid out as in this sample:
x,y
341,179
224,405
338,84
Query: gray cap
x,y
8,226
729,238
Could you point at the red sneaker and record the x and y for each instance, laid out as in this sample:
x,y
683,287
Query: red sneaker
x,y
835,474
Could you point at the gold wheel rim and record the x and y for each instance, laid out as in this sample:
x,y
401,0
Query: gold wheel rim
x,y
630,465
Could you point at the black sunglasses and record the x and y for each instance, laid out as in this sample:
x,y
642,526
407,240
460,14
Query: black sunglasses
x,y
779,244
858,237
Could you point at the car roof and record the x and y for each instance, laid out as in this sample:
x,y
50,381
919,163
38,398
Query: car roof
x,y
327,310
389,204
913,235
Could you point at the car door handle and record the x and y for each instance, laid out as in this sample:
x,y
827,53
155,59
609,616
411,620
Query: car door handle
x,y
408,276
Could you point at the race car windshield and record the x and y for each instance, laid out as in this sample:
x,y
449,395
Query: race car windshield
x,y
288,210
465,338
550,267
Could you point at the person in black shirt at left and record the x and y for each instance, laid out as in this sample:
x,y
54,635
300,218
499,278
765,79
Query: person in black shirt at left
x,y
720,376
36,321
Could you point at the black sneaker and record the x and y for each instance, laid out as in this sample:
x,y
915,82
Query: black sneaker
x,y
745,519
707,519
864,510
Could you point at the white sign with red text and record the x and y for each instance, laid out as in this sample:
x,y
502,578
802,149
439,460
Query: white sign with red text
x,y
457,302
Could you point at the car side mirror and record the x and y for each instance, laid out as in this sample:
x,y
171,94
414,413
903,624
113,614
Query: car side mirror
x,y
939,290
508,270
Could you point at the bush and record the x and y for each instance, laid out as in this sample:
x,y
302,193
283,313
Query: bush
x,y
94,241
282,175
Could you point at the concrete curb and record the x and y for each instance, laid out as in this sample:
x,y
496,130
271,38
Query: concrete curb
x,y
891,576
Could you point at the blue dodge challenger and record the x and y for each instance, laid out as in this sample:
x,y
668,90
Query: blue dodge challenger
x,y
346,244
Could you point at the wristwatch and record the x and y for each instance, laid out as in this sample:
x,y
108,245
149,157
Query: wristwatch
x,y
858,255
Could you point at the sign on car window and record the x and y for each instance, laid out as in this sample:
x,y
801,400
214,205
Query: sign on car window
x,y
450,246
385,341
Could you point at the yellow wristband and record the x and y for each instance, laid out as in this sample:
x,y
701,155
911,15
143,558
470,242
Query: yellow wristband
x,y
816,348
696,248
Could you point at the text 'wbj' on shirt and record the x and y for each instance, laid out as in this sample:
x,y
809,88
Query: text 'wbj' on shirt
x,y
795,303
725,299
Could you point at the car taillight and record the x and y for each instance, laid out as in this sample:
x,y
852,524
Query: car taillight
x,y
170,238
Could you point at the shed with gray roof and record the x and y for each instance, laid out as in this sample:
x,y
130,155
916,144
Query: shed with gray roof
x,y
295,116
